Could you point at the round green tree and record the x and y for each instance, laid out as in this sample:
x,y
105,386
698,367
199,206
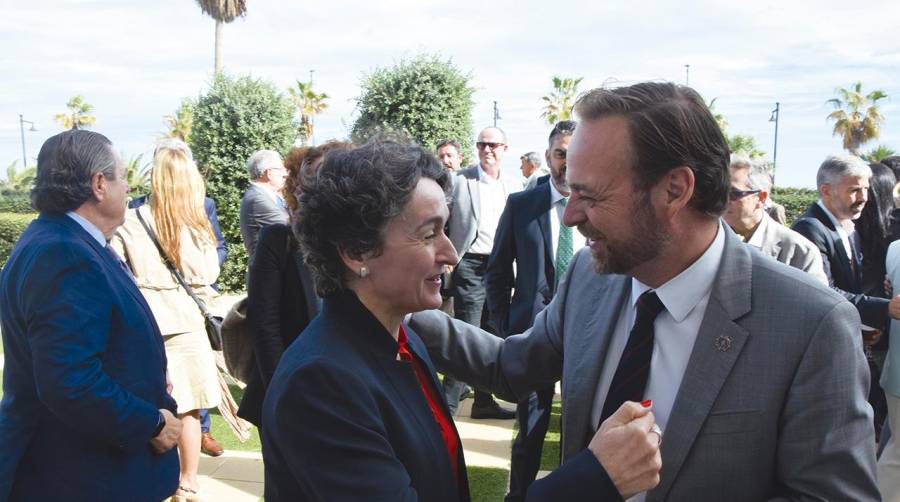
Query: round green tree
x,y
237,117
425,98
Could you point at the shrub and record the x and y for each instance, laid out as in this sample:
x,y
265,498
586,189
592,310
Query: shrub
x,y
426,98
795,201
11,227
237,117
16,203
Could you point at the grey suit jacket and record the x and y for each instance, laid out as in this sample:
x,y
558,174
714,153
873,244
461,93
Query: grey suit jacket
x,y
465,207
258,210
790,248
773,400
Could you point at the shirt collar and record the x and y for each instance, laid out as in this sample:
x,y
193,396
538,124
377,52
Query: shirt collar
x,y
684,291
756,240
88,227
555,196
484,178
834,221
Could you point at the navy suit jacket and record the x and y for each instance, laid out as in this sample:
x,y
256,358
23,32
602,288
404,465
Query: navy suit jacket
x,y
343,419
84,375
523,236
816,226
209,206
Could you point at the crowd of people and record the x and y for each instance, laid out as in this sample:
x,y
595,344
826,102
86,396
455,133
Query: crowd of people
x,y
705,351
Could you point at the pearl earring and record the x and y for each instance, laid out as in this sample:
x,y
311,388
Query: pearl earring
x,y
363,271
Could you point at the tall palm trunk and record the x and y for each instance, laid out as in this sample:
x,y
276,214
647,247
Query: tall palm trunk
x,y
219,26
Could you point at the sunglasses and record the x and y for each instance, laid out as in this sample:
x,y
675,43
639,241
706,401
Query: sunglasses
x,y
493,146
734,194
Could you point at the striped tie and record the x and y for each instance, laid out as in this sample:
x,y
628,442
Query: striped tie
x,y
630,379
563,247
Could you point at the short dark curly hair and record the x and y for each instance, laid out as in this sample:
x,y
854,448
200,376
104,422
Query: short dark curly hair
x,y
347,203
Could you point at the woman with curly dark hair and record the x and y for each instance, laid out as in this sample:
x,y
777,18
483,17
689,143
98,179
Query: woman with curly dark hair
x,y
354,410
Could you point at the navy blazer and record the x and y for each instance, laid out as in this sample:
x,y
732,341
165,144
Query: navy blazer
x,y
281,301
523,236
84,376
816,226
343,419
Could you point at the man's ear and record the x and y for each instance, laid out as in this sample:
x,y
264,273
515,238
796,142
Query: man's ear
x,y
763,197
99,185
673,191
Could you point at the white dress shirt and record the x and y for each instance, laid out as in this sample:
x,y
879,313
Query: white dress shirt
x,y
685,297
556,215
492,194
845,237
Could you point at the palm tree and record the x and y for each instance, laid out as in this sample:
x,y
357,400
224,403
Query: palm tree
x,y
182,122
18,181
558,104
879,153
136,175
309,104
78,116
223,11
856,116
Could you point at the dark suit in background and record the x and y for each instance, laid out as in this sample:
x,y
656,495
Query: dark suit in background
x,y
524,237
281,301
84,376
258,209
844,275
345,420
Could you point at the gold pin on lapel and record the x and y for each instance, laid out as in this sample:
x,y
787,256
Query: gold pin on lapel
x,y
723,343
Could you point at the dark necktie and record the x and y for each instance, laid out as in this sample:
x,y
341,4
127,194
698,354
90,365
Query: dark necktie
x,y
121,262
630,379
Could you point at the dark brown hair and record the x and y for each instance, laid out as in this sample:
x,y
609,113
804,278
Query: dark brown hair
x,y
670,126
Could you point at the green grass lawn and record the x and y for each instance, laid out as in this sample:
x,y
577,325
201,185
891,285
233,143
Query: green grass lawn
x,y
550,454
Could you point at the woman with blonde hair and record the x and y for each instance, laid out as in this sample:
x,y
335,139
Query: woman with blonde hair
x,y
172,227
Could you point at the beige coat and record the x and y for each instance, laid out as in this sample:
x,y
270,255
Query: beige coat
x,y
173,308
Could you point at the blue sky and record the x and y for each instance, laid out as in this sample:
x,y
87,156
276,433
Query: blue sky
x,y
135,60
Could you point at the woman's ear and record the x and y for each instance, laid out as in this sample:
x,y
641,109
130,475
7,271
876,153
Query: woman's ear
x,y
354,263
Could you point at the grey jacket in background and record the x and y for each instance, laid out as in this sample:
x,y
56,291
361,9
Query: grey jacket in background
x,y
258,210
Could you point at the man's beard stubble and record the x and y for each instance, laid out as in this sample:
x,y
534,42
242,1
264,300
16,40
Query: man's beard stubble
x,y
646,242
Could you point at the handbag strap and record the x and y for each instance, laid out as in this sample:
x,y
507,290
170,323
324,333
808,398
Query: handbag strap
x,y
171,266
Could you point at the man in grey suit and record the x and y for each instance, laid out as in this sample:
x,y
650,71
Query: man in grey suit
x,y
755,369
262,203
746,215
478,197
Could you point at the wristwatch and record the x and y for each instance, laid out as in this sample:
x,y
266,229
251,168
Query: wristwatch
x,y
160,425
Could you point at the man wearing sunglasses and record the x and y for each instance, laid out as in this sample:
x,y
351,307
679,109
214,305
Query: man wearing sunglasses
x,y
746,215
477,201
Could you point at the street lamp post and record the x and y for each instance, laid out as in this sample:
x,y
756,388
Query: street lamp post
x,y
22,123
496,114
687,75
776,114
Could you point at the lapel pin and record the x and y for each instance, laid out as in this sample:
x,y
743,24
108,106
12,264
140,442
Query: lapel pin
x,y
723,343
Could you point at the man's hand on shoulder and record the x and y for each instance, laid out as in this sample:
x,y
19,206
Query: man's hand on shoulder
x,y
168,436
628,450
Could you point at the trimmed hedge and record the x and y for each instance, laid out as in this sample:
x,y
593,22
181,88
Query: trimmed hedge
x,y
16,203
237,117
794,200
11,227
